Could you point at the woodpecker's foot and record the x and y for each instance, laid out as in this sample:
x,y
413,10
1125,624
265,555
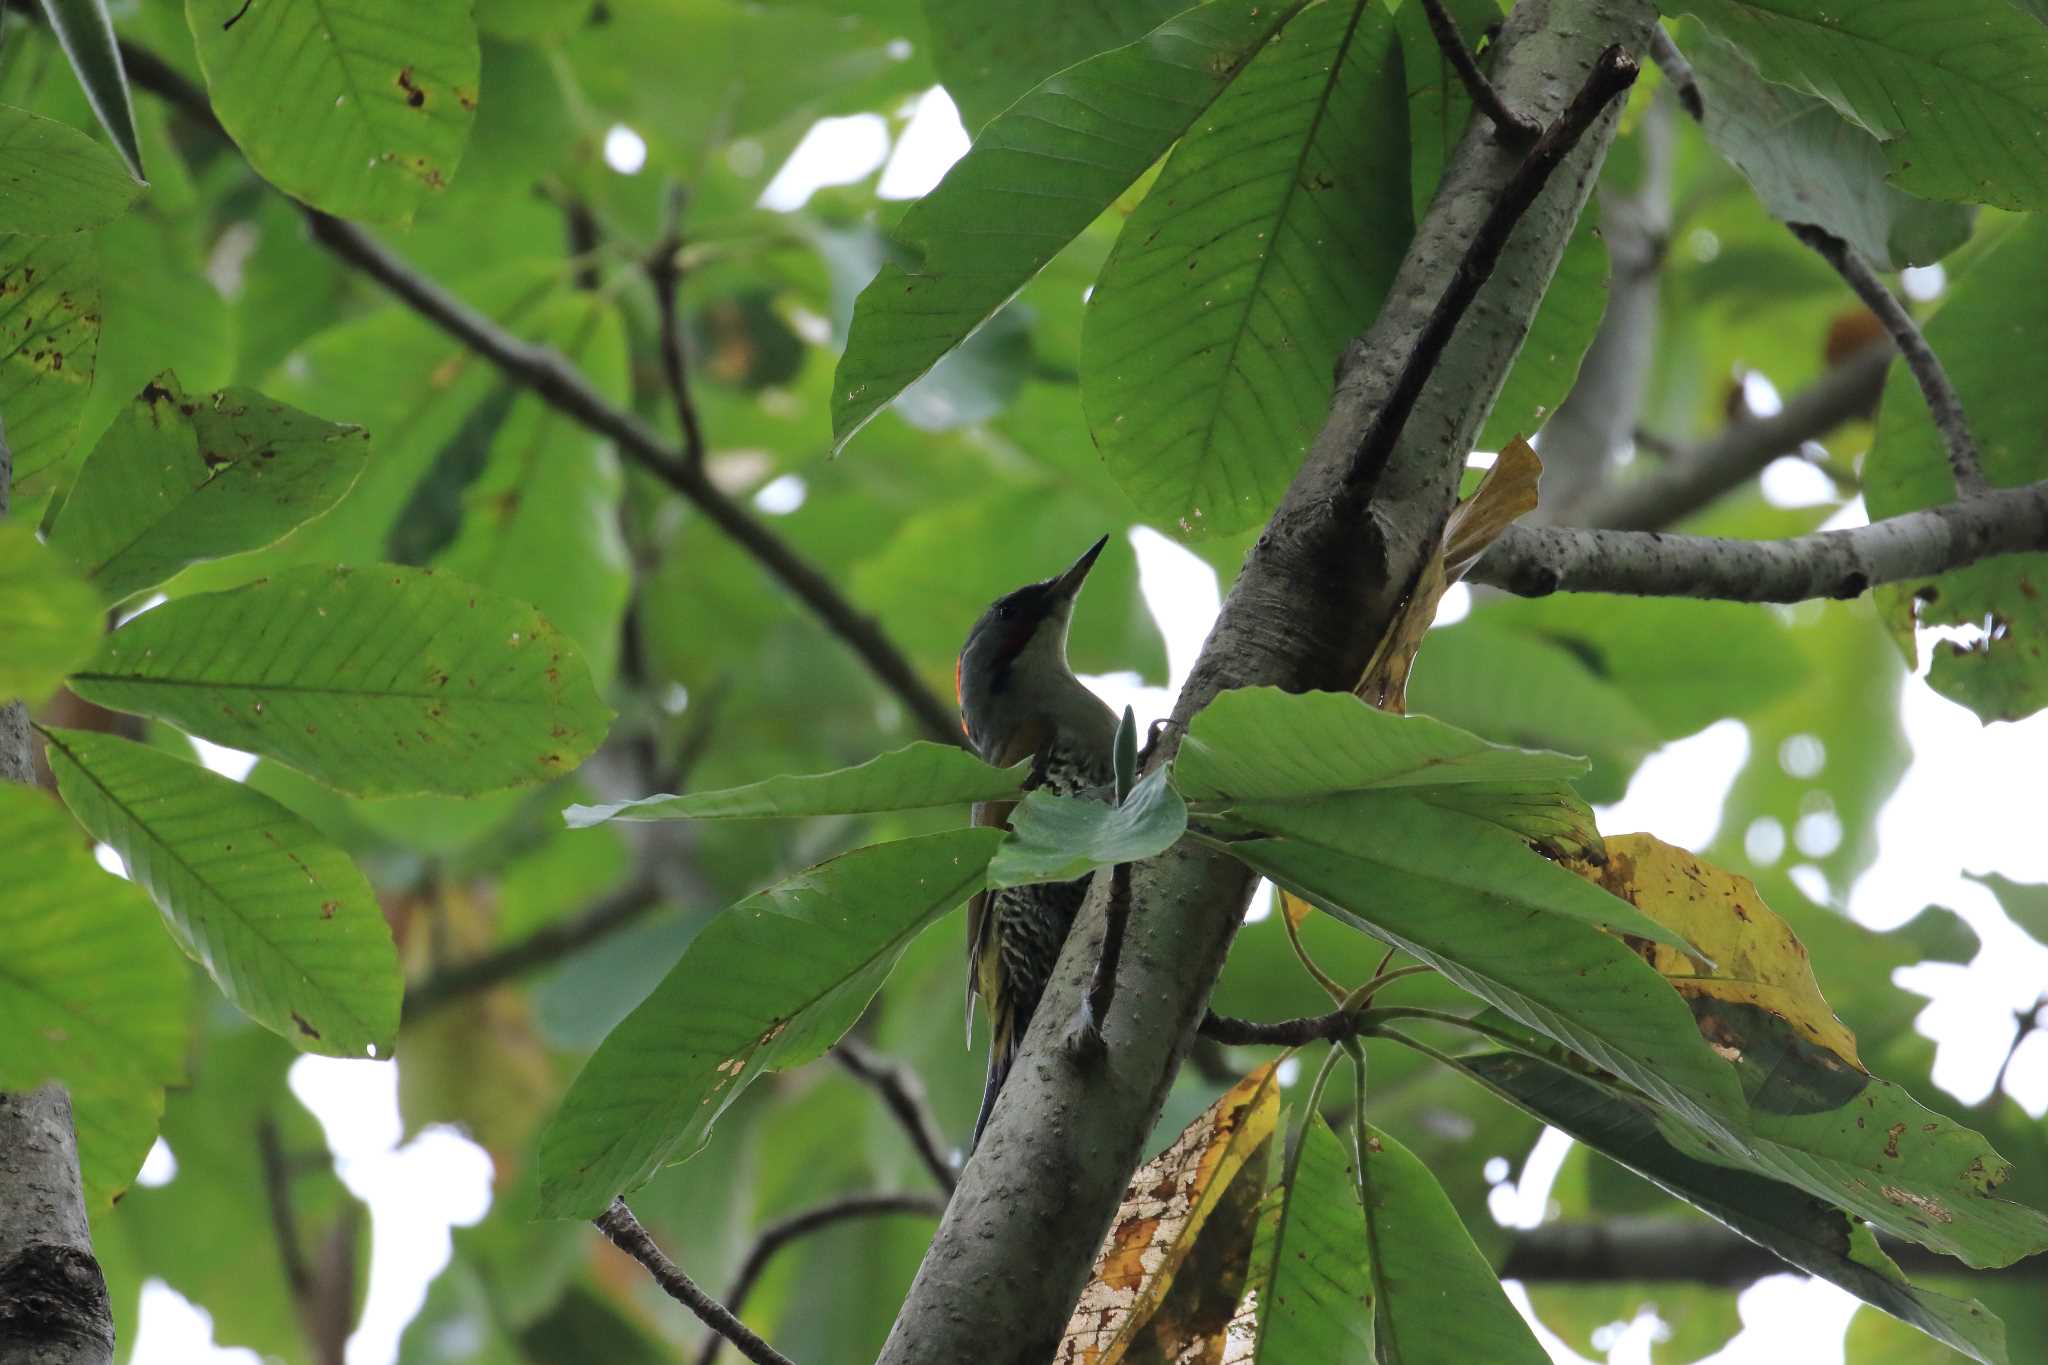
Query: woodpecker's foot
x,y
1084,1041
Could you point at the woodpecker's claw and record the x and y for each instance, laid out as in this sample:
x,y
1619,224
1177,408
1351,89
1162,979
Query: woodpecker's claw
x,y
1084,1041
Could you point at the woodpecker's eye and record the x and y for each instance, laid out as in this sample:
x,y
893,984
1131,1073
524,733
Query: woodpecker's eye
x,y
1004,611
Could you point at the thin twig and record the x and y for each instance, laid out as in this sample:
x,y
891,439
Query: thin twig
x,y
1512,127
1942,402
1316,1028
544,372
780,1234
1084,1036
619,1225
545,945
1613,72
665,273
903,1093
324,1320
1678,71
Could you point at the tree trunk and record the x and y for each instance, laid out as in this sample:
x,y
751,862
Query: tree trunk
x,y
1021,1233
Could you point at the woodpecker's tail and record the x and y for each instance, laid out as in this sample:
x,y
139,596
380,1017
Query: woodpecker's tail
x,y
1002,1051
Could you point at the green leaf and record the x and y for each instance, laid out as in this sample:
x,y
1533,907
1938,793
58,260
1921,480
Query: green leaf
x,y
383,681
2025,902
540,522
1267,243
1557,975
1126,755
528,21
1263,744
1956,90
771,983
1059,838
358,107
86,34
1810,165
2002,672
1439,1301
279,917
91,994
49,335
1037,176
49,618
1807,1232
1309,1284
56,179
988,55
175,481
915,777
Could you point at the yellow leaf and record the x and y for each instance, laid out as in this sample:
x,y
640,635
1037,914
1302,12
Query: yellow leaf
x,y
1757,960
1507,491
1169,1201
1294,907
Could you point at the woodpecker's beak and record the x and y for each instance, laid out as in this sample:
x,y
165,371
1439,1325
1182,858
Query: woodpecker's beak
x,y
1068,584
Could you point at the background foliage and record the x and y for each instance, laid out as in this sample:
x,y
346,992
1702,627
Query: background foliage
x,y
203,402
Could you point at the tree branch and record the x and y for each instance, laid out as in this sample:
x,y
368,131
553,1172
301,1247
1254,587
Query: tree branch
x,y
544,372
1613,72
1535,561
1942,402
1513,126
780,1234
545,945
1694,477
624,1231
1678,71
1654,1248
1317,589
665,274
903,1093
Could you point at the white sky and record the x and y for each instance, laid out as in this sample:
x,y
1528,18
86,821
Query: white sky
x,y
1965,804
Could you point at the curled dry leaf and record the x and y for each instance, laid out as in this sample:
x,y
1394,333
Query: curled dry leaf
x,y
1507,491
1166,1207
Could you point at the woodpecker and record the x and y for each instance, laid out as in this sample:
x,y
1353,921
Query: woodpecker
x,y
1019,700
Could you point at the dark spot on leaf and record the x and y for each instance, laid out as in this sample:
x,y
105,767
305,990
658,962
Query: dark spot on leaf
x,y
327,909
154,393
414,96
1891,1140
214,459
304,1027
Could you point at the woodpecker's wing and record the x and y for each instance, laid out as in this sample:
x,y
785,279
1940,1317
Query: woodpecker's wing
x,y
981,954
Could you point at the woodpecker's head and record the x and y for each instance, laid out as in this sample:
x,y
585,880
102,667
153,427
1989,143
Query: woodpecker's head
x,y
1014,665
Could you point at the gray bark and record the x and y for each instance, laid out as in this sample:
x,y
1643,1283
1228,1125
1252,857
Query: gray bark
x,y
1021,1232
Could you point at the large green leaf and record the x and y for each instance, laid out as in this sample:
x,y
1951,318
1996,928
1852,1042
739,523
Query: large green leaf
x,y
1557,975
988,55
91,993
1263,744
1309,1283
1058,838
55,178
2002,673
177,480
1807,1232
1810,165
49,336
1038,176
918,776
49,617
86,33
771,983
1439,1302
383,681
358,107
1957,90
279,917
1267,243
540,522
